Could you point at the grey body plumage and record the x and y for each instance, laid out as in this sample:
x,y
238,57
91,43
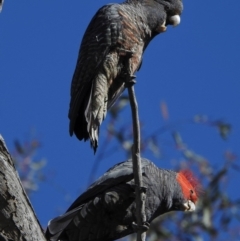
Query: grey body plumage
x,y
110,53
106,210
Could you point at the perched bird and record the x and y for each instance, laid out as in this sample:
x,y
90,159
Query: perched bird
x,y
110,53
106,211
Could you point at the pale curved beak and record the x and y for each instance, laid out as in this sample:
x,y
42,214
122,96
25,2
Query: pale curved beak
x,y
174,20
189,206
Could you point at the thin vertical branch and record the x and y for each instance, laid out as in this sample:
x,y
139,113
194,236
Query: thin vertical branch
x,y
137,167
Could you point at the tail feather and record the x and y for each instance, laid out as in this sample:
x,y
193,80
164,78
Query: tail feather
x,y
96,108
57,225
91,105
78,124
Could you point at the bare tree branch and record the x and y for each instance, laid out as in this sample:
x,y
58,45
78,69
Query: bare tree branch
x,y
18,220
137,169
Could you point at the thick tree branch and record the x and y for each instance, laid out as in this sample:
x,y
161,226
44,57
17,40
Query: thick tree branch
x,y
17,218
137,168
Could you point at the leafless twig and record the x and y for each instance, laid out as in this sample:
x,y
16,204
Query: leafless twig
x,y
137,168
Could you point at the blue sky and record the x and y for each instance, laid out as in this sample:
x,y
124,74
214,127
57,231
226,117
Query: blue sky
x,y
194,68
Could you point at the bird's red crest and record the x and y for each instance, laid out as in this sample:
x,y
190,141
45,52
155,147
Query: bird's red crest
x,y
189,184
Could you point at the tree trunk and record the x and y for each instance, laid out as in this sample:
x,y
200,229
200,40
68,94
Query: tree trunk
x,y
18,220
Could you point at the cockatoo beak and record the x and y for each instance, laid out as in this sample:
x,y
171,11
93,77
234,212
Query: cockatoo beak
x,y
189,206
174,20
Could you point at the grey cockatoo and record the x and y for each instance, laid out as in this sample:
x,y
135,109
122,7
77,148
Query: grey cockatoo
x,y
110,53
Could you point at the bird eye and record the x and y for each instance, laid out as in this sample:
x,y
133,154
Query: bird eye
x,y
191,191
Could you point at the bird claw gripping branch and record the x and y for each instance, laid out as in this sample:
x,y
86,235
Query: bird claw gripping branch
x,y
142,228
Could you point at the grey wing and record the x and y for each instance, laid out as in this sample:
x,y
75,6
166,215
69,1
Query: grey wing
x,y
105,217
120,173
100,36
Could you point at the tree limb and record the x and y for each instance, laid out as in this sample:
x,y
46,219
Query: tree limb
x,y
137,168
18,220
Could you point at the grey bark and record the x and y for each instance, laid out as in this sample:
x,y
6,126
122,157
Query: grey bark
x,y
18,220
